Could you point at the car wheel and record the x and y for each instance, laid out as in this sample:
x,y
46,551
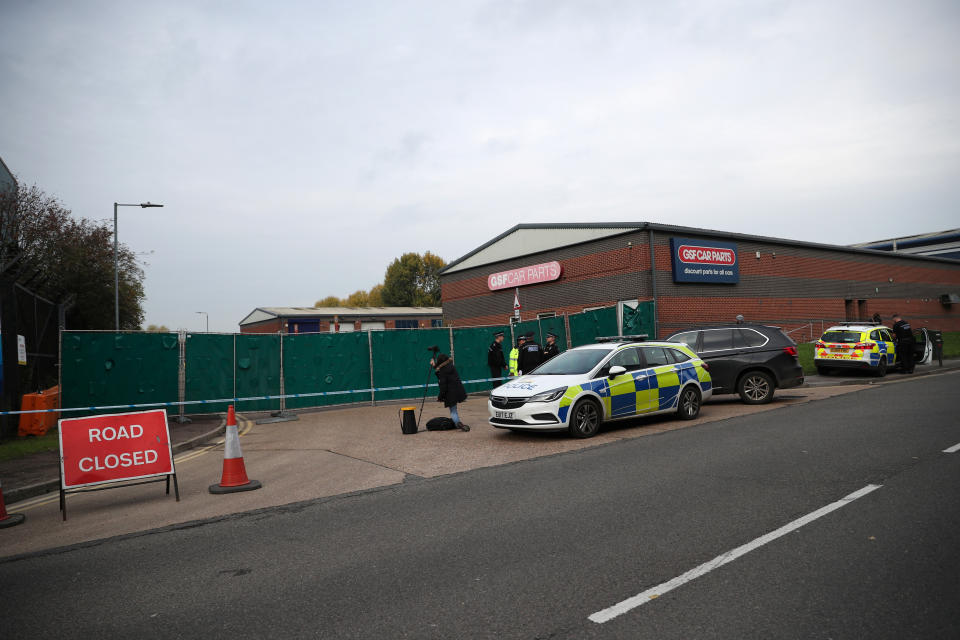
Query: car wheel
x,y
585,419
823,371
881,368
756,387
688,406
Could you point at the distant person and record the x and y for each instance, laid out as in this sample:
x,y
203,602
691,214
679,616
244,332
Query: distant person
x,y
495,360
905,342
877,319
515,356
550,349
451,388
531,355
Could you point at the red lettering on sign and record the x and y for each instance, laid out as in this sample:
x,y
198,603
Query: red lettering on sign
x,y
108,448
707,255
525,275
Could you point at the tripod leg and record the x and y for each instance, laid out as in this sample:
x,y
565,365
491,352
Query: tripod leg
x,y
423,400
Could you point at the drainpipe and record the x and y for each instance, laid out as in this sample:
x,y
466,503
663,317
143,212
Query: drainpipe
x,y
653,283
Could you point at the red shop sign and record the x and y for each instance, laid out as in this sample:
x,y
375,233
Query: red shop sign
x,y
692,254
524,275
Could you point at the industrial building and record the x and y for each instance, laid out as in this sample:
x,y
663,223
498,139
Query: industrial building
x,y
338,319
698,276
943,244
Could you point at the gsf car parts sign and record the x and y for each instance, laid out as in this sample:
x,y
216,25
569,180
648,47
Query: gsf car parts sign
x,y
704,261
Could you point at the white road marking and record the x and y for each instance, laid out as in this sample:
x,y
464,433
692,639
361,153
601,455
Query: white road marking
x,y
953,449
641,598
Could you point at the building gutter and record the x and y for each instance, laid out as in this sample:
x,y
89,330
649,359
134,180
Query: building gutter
x,y
653,282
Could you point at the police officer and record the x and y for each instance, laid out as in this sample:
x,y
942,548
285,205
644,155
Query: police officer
x,y
905,342
495,360
550,349
531,355
515,356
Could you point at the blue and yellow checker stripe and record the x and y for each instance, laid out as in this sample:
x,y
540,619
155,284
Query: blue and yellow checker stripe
x,y
643,391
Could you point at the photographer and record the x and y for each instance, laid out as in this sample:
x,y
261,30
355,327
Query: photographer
x,y
451,388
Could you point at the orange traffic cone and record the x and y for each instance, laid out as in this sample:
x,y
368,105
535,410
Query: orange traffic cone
x,y
234,476
9,520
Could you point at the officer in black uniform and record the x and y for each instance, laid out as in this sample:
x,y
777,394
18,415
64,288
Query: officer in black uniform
x,y
550,349
905,342
495,360
531,355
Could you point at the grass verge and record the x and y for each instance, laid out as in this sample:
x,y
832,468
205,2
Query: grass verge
x,y
22,447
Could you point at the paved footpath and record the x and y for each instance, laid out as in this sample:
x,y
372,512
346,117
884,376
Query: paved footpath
x,y
327,453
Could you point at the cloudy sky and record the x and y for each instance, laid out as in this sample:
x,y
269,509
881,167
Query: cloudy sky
x,y
298,147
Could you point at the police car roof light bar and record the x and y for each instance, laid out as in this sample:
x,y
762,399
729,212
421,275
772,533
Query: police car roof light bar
x,y
861,323
634,338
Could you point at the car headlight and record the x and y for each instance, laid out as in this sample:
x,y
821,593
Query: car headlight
x,y
548,396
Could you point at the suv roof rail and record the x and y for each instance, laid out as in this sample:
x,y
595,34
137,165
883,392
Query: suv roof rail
x,y
635,338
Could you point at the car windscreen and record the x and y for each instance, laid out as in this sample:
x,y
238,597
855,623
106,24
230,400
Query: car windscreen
x,y
576,361
843,337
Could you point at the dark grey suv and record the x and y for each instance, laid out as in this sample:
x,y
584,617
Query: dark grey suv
x,y
752,360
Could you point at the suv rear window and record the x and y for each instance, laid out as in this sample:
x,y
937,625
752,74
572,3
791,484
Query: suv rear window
x,y
717,340
749,338
843,337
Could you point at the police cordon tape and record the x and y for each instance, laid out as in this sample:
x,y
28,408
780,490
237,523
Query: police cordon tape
x,y
316,394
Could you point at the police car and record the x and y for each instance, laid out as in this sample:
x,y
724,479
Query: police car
x,y
616,378
855,345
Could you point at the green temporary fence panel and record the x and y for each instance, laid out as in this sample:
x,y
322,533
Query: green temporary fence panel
x,y
586,326
555,325
400,357
258,370
525,327
470,347
638,321
540,327
118,368
317,362
209,371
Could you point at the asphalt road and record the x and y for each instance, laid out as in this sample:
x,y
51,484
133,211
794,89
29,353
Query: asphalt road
x,y
531,549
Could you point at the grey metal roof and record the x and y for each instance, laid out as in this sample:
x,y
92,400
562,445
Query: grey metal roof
x,y
261,314
495,250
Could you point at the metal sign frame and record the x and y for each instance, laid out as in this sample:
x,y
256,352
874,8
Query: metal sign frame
x,y
132,481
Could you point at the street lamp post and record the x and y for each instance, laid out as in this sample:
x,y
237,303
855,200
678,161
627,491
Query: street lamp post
x,y
116,267
208,319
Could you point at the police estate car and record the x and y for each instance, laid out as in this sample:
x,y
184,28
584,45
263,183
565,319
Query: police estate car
x,y
616,378
855,345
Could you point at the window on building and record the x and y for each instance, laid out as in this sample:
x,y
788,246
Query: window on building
x,y
407,324
436,322
547,314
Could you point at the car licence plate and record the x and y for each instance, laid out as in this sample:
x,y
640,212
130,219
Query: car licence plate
x,y
506,415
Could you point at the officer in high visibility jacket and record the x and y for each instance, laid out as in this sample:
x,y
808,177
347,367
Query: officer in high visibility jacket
x,y
515,355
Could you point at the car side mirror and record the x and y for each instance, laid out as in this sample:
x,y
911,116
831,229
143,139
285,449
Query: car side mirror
x,y
616,371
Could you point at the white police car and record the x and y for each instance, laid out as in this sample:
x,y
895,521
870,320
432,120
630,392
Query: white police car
x,y
614,379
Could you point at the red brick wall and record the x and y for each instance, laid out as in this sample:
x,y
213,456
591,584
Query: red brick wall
x,y
267,326
797,286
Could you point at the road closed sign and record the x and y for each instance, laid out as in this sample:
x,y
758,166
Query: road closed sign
x,y
108,448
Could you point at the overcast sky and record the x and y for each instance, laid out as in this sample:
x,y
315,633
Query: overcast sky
x,y
298,147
